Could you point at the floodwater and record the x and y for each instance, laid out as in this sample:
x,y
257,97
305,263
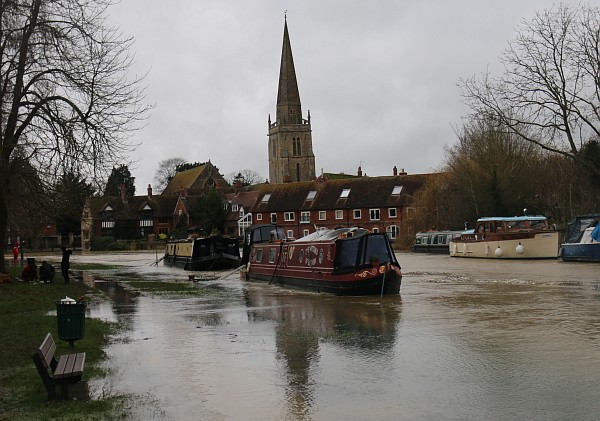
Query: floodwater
x,y
466,339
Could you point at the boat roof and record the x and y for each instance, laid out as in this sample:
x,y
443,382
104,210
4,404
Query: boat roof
x,y
513,218
325,234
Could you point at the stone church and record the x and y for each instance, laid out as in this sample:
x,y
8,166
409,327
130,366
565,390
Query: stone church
x,y
291,156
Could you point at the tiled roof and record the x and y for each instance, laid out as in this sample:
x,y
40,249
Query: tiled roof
x,y
162,206
365,192
184,180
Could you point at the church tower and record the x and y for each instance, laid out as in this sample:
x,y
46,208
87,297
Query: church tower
x,y
291,155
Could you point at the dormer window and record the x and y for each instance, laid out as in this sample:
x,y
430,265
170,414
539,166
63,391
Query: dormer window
x,y
266,198
397,190
345,193
235,208
311,195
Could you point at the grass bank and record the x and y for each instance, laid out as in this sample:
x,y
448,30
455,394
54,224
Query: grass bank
x,y
25,320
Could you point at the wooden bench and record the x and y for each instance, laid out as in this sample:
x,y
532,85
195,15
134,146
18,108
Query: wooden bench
x,y
65,370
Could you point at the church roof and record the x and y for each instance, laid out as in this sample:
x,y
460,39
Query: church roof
x,y
288,86
184,180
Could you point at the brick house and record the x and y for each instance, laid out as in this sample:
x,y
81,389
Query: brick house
x,y
127,217
380,204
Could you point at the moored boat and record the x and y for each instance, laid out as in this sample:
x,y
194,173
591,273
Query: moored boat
x,y
518,237
344,261
582,239
434,241
203,253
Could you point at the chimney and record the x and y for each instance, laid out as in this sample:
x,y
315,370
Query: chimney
x,y
149,190
359,173
123,192
395,170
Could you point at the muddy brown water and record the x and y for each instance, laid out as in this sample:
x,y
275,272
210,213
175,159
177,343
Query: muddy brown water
x,y
466,339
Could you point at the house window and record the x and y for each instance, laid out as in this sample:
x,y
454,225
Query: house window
x,y
305,233
288,216
345,193
397,190
375,230
339,214
259,216
357,214
266,198
311,195
273,218
305,217
163,220
163,231
392,231
322,215
392,213
235,208
290,234
374,214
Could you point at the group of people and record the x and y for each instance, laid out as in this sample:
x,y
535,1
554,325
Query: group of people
x,y
47,271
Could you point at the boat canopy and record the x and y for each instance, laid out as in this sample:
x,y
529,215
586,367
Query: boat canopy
x,y
577,227
352,252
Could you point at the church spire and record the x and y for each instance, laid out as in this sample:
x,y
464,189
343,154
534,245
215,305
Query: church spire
x,y
289,110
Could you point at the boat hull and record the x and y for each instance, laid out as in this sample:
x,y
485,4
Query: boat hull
x,y
214,262
580,252
539,246
369,281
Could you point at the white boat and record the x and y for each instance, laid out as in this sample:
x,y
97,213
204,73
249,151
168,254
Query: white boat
x,y
434,241
517,237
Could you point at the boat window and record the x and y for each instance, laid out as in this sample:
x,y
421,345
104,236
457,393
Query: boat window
x,y
542,224
377,246
346,255
272,255
259,255
320,256
301,256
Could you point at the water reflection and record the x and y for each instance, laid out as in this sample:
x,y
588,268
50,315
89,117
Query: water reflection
x,y
304,322
122,303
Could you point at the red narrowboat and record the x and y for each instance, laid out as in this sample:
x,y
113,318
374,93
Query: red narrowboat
x,y
343,261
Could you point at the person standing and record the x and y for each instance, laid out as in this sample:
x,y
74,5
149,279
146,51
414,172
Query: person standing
x,y
15,254
64,263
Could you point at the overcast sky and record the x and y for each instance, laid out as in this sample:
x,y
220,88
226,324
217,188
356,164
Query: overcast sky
x,y
379,77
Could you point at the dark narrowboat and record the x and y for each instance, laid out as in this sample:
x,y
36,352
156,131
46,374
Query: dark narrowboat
x,y
203,253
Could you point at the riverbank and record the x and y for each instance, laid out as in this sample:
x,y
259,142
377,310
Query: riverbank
x,y
26,315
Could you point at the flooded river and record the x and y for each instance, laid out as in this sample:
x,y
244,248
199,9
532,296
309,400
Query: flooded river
x,y
465,340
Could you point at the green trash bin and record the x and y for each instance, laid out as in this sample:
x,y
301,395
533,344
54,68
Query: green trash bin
x,y
70,315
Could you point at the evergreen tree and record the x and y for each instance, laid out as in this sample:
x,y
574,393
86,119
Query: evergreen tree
x,y
120,175
69,199
208,212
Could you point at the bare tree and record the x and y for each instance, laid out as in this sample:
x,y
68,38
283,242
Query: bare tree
x,y
167,169
67,103
247,176
549,93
